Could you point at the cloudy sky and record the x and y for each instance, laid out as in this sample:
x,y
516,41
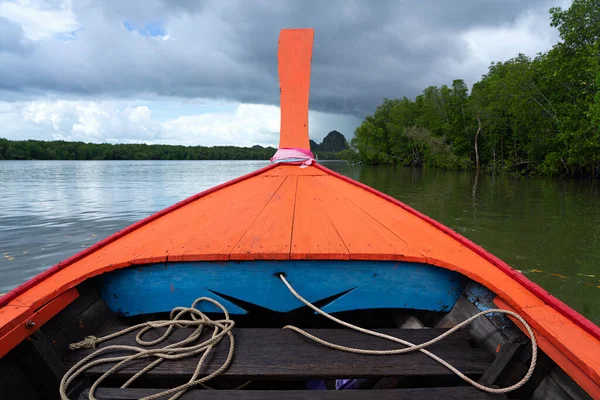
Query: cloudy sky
x,y
205,72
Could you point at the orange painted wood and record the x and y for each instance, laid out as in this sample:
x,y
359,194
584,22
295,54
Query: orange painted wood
x,y
584,372
7,317
286,170
582,348
364,237
16,292
438,248
197,231
494,261
211,230
295,52
269,236
145,245
38,318
314,236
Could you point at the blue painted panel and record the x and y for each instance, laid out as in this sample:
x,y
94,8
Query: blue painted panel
x,y
369,285
483,299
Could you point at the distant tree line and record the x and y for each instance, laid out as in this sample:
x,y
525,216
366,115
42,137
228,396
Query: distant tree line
x,y
62,150
525,116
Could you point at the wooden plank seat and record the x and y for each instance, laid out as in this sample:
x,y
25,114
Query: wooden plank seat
x,y
449,393
278,354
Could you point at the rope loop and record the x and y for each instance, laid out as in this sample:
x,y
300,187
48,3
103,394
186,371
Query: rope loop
x,y
180,317
421,347
191,317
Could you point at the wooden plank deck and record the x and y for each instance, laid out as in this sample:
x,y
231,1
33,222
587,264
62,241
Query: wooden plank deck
x,y
449,393
270,234
314,233
267,354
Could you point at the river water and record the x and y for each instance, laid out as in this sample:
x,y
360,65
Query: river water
x,y
547,229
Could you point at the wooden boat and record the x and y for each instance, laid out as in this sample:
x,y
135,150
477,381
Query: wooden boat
x,y
267,247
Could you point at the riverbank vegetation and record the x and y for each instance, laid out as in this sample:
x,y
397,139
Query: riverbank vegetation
x,y
329,149
525,116
62,150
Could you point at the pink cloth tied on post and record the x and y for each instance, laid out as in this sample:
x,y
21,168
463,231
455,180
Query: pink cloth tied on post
x,y
294,155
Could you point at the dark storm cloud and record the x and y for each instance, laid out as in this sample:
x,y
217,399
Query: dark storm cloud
x,y
363,51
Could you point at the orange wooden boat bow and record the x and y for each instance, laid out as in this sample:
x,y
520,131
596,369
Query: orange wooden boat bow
x,y
284,212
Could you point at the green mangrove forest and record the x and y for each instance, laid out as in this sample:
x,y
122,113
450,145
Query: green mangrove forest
x,y
329,149
525,116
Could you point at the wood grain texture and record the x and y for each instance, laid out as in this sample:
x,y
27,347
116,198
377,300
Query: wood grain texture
x,y
568,385
549,390
211,229
295,52
579,360
38,318
363,236
314,236
40,365
11,316
88,295
16,292
269,235
84,324
533,288
282,354
198,230
450,393
436,247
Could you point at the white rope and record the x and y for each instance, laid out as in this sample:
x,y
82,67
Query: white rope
x,y
182,349
421,347
186,348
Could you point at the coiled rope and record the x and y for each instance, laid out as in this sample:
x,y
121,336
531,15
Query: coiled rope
x,y
421,347
185,348
175,351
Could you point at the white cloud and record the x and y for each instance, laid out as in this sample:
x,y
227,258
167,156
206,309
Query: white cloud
x,y
165,52
249,124
93,121
41,20
529,34
118,121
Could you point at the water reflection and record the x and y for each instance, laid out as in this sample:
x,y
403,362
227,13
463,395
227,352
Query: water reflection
x,y
50,210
